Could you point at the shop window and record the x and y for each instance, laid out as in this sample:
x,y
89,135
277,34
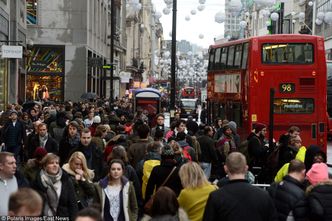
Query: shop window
x,y
32,12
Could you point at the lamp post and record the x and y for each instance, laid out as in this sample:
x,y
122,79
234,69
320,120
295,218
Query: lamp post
x,y
173,58
113,23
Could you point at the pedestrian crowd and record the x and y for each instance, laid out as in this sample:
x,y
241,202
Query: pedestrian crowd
x,y
95,161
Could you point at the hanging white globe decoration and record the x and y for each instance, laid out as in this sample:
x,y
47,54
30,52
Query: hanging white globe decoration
x,y
243,24
169,6
274,16
320,16
166,11
219,17
200,7
193,12
301,16
235,6
310,3
328,18
157,15
318,21
187,18
201,2
133,7
167,2
293,13
265,13
247,14
167,54
201,36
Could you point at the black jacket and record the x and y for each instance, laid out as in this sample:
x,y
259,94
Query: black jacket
x,y
94,158
238,201
256,149
67,206
51,145
208,150
288,195
320,203
7,138
159,175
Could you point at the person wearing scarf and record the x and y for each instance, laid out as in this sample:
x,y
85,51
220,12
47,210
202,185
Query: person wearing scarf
x,y
56,188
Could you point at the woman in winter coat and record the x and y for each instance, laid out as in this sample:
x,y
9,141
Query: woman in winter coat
x,y
165,207
161,172
196,190
319,194
56,188
81,177
117,195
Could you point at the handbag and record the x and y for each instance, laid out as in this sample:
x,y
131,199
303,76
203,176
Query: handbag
x,y
149,203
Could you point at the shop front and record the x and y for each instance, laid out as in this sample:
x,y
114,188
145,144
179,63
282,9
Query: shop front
x,y
45,73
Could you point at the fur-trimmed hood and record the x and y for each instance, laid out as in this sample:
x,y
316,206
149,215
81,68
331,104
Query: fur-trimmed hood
x,y
67,168
311,187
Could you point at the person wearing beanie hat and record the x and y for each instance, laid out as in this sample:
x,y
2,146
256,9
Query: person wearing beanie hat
x,y
235,135
257,148
318,173
319,194
259,127
160,173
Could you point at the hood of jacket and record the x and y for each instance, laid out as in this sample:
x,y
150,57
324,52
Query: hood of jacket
x,y
104,182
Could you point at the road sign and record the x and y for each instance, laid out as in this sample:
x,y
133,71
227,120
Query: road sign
x,y
109,66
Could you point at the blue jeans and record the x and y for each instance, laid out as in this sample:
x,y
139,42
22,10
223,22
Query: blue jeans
x,y
206,168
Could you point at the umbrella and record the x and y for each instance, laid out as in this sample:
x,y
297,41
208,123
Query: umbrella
x,y
89,96
29,104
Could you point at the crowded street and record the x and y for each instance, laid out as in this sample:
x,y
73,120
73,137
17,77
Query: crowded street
x,y
166,110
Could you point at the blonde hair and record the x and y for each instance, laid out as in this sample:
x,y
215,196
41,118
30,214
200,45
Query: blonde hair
x,y
192,175
87,173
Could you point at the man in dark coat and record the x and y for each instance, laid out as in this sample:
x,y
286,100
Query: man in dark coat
x,y
208,155
238,200
42,139
288,195
13,135
94,156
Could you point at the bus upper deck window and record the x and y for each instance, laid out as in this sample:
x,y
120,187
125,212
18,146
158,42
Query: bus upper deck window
x,y
287,53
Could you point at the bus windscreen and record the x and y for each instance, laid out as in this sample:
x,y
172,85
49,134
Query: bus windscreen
x,y
288,53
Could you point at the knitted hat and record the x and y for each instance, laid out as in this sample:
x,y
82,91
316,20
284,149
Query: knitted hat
x,y
318,173
97,120
259,127
167,151
39,153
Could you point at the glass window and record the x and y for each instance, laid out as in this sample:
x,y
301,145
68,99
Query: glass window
x,y
231,57
32,12
245,56
217,58
224,57
211,59
293,105
238,54
288,53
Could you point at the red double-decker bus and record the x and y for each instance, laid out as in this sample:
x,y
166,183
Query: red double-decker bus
x,y
188,92
241,74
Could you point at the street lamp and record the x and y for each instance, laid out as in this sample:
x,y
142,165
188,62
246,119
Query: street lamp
x,y
173,57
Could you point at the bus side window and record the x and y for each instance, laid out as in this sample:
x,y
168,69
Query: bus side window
x,y
217,59
224,57
244,56
211,59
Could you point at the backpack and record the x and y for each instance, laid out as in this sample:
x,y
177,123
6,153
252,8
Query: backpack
x,y
185,153
147,169
272,159
243,148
